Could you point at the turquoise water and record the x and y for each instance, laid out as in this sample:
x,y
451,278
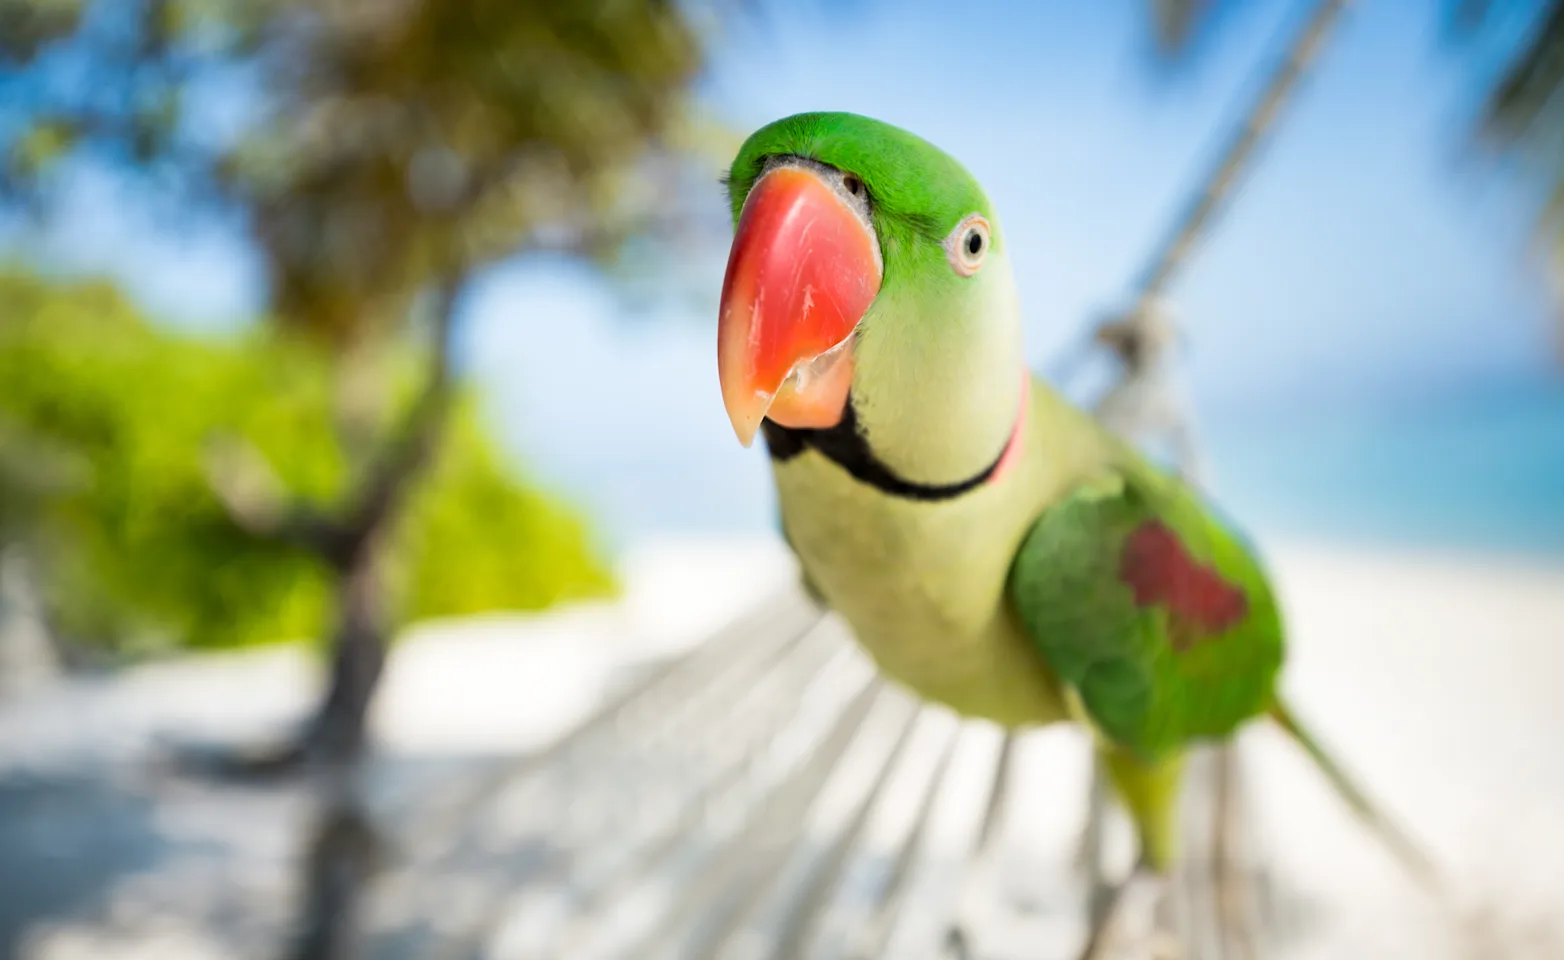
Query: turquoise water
x,y
1470,469
1481,471
625,417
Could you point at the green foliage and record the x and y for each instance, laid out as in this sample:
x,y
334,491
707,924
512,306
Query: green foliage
x,y
376,152
514,547
386,146
142,555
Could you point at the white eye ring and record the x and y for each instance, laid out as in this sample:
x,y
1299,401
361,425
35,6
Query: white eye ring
x,y
967,246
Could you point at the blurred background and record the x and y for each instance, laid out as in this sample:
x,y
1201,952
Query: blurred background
x,y
331,329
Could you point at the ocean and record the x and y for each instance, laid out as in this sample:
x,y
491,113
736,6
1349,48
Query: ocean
x,y
1479,471
1476,470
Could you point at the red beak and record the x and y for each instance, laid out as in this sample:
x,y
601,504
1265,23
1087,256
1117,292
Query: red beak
x,y
803,270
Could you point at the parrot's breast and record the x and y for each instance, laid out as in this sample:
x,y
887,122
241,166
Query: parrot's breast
x,y
923,584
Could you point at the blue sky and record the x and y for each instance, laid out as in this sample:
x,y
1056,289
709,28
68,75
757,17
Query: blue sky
x,y
1367,258
1358,233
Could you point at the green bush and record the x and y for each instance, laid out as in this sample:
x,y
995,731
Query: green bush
x,y
143,556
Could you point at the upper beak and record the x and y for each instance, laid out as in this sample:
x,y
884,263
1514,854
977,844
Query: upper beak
x,y
803,270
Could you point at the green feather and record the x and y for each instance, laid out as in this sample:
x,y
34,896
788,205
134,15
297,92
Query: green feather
x,y
1150,681
1028,600
916,189
1383,827
927,351
1149,792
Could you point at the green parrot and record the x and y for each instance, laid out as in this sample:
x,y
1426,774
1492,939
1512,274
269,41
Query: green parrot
x,y
992,547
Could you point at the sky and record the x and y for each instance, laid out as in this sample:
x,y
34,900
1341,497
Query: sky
x,y
1356,238
1369,258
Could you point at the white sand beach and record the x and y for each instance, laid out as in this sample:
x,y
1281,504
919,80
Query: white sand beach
x,y
1435,676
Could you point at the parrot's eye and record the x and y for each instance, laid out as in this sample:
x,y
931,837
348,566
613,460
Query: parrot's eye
x,y
967,246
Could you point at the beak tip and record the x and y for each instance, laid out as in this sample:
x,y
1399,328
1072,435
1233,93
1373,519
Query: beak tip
x,y
746,431
746,408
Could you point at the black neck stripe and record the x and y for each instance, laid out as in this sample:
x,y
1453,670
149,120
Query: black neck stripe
x,y
846,445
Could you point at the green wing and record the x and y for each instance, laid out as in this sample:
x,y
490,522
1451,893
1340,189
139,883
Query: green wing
x,y
1159,617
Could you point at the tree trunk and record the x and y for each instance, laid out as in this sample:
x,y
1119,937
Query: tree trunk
x,y
346,851
28,655
338,733
350,541
343,856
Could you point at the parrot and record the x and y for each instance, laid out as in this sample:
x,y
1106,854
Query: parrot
x,y
991,546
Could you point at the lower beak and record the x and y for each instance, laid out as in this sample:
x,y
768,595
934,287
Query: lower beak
x,y
803,270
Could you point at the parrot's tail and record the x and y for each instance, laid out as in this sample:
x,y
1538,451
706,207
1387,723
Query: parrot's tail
x,y
1405,850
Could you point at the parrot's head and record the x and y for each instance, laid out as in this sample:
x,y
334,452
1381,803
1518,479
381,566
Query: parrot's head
x,y
868,277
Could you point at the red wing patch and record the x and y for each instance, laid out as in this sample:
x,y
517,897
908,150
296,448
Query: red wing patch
x,y
1200,604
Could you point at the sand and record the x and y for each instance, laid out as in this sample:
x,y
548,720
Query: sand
x,y
1436,675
